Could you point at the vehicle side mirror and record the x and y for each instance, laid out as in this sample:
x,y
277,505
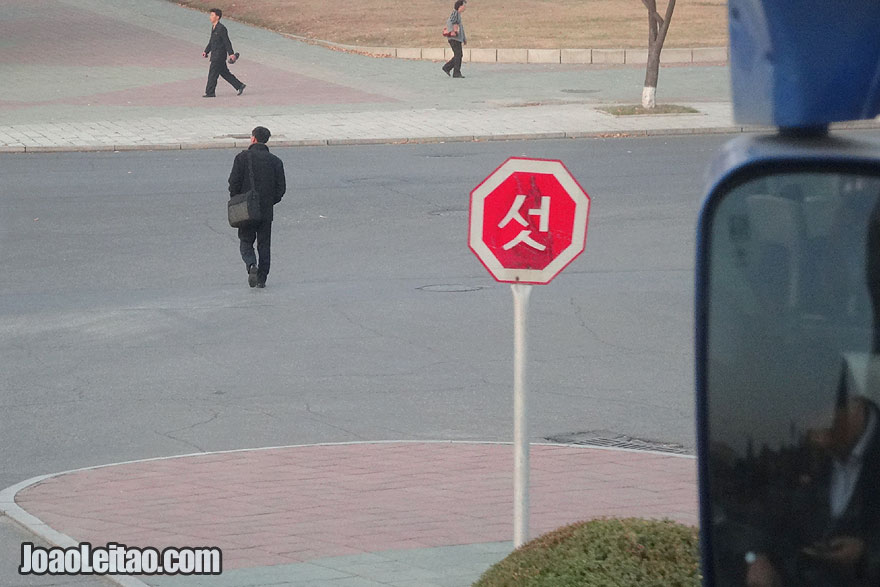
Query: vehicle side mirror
x,y
788,364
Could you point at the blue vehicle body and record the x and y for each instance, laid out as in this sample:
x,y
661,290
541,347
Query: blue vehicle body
x,y
798,65
804,63
744,159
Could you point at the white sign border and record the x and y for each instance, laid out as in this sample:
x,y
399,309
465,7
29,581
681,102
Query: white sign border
x,y
579,230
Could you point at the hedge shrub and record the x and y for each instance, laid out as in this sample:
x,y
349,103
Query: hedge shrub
x,y
629,552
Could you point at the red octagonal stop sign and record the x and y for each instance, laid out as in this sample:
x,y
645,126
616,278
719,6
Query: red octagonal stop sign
x,y
528,220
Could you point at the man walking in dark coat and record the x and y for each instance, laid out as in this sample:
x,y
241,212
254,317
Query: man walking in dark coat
x,y
271,185
219,47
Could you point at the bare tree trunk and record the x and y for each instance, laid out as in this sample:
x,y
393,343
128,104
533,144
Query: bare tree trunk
x,y
657,29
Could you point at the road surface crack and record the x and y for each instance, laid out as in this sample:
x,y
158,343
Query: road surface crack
x,y
170,434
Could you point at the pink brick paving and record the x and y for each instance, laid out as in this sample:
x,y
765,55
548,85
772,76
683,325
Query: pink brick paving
x,y
266,86
80,38
75,37
286,505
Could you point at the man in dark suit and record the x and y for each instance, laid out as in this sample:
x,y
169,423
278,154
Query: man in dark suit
x,y
270,184
830,535
218,48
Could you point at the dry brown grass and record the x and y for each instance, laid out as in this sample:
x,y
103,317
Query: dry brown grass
x,y
535,24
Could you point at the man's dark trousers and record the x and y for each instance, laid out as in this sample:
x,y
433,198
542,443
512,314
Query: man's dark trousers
x,y
455,63
262,233
220,69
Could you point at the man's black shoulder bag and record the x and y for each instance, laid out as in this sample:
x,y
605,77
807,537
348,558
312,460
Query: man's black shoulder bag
x,y
244,209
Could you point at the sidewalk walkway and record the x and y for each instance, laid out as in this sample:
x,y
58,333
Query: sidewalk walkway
x,y
402,514
122,74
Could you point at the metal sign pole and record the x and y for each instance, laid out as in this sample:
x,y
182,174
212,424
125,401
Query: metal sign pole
x,y
521,294
523,253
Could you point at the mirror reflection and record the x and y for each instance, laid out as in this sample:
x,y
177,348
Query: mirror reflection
x,y
794,381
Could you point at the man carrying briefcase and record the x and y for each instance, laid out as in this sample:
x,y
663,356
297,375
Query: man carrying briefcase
x,y
267,172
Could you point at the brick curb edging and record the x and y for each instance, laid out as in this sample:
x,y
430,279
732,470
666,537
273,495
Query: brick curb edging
x,y
604,134
40,529
544,56
34,525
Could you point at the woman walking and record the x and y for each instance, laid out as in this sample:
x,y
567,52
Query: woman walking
x,y
458,38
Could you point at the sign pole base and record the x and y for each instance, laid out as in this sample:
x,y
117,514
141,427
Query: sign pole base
x,y
521,293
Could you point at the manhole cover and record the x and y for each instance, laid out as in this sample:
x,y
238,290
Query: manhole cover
x,y
450,288
612,440
448,212
243,136
360,180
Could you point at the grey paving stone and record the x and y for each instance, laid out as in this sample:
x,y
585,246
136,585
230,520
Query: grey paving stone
x,y
448,566
472,559
355,582
386,571
457,581
299,575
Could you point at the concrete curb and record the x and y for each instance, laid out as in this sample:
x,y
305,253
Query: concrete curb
x,y
368,141
597,134
671,55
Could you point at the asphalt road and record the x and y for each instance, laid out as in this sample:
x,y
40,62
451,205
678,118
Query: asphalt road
x,y
127,329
